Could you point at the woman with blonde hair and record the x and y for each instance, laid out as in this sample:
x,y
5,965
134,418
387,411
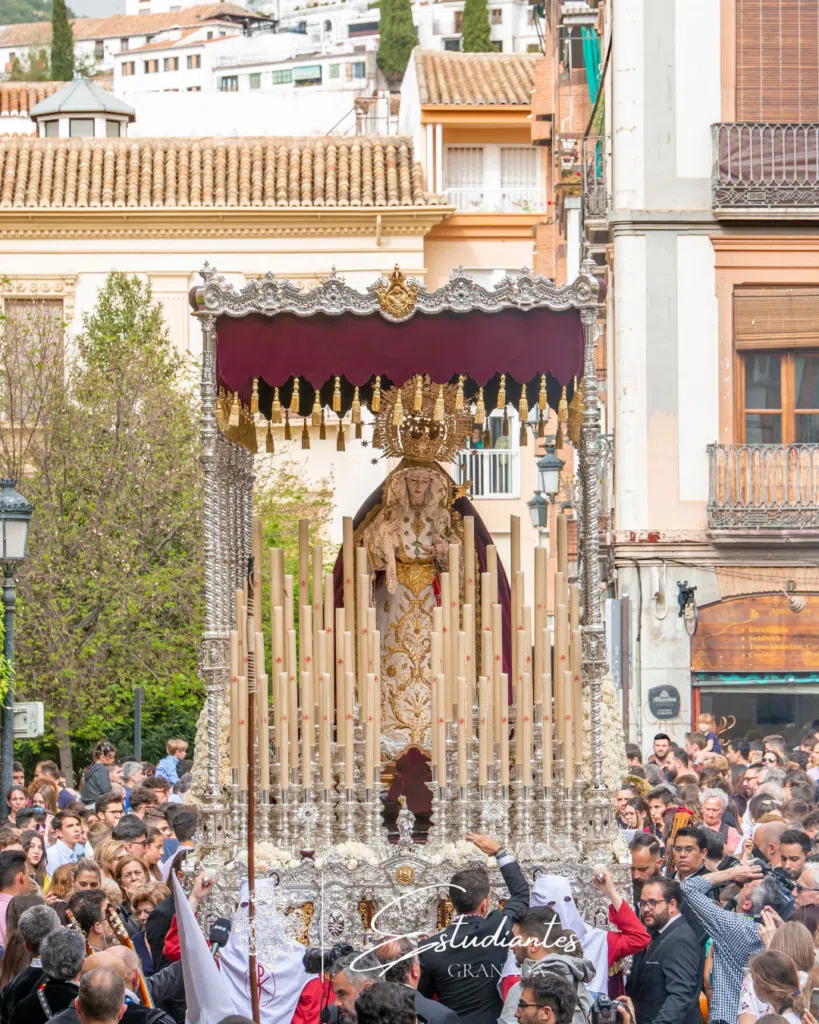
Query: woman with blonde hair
x,y
107,854
62,884
791,939
777,985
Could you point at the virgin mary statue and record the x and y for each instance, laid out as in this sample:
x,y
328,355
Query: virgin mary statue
x,y
407,525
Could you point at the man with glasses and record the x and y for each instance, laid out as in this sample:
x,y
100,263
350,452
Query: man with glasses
x,y
133,832
666,978
546,999
807,887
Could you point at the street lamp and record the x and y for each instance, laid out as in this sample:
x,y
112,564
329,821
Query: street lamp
x,y
15,516
548,484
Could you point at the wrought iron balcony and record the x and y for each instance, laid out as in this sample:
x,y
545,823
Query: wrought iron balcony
x,y
595,194
763,487
759,168
497,200
495,473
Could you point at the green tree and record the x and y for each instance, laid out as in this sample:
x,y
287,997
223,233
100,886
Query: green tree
x,y
476,34
110,596
16,11
62,43
34,68
397,38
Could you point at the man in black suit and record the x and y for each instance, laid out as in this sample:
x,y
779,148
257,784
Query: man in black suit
x,y
400,956
463,964
666,978
35,924
62,954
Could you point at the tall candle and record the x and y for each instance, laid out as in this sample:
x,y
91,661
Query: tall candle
x,y
234,699
377,706
539,621
486,622
575,660
483,718
278,656
469,630
318,609
461,731
263,696
470,567
289,601
348,567
520,659
362,603
526,760
497,664
504,728
306,647
568,730
349,726
293,696
243,732
276,579
241,626
369,732
446,640
546,715
349,661
436,660
563,544
373,656
561,665
517,598
324,731
282,740
330,631
433,719
306,732
340,670
492,569
441,729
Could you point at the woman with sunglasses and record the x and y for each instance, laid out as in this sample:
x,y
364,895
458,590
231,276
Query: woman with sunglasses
x,y
773,759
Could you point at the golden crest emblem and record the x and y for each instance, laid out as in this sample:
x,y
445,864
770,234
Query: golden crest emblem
x,y
405,874
397,298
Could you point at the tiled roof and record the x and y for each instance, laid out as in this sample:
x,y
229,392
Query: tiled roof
x,y
457,79
38,33
366,171
17,98
82,96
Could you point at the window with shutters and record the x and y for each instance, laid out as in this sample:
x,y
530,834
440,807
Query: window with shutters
x,y
776,336
777,60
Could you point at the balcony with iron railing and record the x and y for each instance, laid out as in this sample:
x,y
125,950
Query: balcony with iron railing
x,y
595,191
764,170
763,491
495,473
497,200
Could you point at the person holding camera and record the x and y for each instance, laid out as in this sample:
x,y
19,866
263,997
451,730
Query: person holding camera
x,y
666,978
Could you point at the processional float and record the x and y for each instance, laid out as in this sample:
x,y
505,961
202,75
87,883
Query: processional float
x,y
415,652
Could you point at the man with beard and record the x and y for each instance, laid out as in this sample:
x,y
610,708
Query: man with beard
x,y
662,748
794,847
666,978
645,861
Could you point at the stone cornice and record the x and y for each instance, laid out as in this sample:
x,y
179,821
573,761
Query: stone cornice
x,y
213,222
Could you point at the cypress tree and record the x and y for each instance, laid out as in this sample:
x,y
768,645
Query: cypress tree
x,y
397,39
62,43
476,28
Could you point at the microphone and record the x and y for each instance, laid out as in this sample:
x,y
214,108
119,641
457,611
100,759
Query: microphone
x,y
219,934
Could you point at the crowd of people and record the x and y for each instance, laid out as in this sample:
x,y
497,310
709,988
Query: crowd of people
x,y
723,926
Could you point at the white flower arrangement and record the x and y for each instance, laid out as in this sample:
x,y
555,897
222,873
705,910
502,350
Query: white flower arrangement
x,y
461,853
350,853
269,858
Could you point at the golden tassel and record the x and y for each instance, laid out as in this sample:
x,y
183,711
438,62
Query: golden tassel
x,y
254,397
459,394
502,392
524,434
358,432
487,436
288,436
322,427
337,395
269,445
559,437
542,398
480,409
294,398
305,435
523,405
276,409
541,424
233,420
398,411
418,402
222,410
505,422
438,412
355,414
340,436
317,410
375,401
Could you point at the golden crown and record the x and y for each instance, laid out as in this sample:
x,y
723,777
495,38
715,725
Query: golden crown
x,y
422,421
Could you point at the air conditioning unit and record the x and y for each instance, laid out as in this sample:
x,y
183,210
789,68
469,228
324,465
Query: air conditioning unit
x,y
29,720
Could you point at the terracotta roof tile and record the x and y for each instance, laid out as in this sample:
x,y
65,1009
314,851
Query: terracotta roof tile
x,y
467,79
17,98
35,33
365,171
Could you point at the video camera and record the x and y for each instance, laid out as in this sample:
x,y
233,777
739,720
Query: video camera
x,y
317,959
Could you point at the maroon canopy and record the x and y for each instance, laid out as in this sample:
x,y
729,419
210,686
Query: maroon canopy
x,y
521,343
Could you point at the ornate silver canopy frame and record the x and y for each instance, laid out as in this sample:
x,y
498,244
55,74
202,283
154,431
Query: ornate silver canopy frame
x,y
228,484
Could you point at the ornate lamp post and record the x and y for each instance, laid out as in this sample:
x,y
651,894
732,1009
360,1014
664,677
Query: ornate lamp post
x,y
549,467
15,515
